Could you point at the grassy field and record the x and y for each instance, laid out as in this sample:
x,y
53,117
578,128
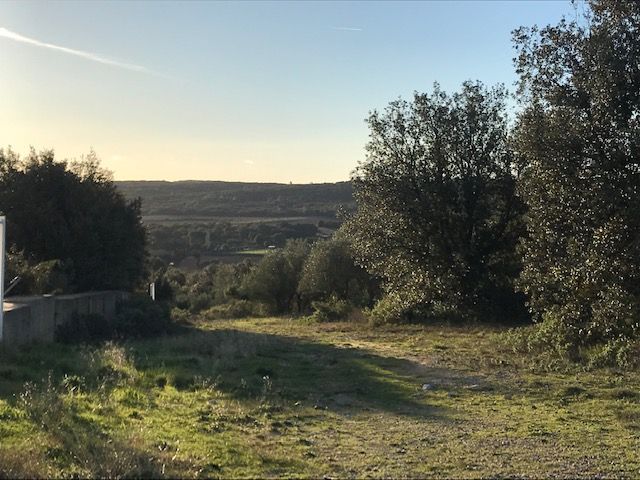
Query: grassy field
x,y
278,397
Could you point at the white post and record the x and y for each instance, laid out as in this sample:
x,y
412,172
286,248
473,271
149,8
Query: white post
x,y
152,291
3,228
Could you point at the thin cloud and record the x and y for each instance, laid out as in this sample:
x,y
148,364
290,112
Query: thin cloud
x,y
78,53
348,29
249,162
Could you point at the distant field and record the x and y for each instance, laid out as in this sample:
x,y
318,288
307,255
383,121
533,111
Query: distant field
x,y
191,223
208,200
278,397
180,219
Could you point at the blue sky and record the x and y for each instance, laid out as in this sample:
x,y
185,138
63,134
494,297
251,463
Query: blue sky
x,y
248,91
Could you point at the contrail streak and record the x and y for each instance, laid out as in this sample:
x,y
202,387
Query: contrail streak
x,y
348,29
78,53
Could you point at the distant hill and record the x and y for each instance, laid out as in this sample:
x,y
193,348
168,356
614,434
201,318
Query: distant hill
x,y
235,199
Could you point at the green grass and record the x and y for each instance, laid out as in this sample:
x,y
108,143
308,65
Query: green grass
x,y
278,397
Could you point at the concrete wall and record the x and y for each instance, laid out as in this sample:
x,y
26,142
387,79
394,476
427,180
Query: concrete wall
x,y
30,319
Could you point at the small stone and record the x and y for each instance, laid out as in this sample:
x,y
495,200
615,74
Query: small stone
x,y
428,386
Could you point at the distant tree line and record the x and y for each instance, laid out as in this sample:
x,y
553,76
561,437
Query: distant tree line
x,y
319,278
173,242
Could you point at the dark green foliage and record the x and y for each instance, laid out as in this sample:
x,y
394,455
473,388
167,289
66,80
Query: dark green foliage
x,y
175,241
438,218
42,277
579,132
274,281
235,309
330,270
137,317
213,285
73,214
331,309
85,328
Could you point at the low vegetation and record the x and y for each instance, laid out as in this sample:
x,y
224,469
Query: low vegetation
x,y
280,397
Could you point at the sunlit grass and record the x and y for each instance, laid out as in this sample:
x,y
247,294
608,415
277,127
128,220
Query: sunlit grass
x,y
277,397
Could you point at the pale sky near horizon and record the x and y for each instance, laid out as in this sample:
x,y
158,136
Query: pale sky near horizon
x,y
241,91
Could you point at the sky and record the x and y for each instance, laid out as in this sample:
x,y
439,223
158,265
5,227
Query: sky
x,y
239,91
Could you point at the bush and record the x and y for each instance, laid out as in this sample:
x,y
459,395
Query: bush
x,y
137,317
236,309
275,279
199,302
85,328
552,345
620,352
35,278
438,219
330,271
179,315
389,309
330,310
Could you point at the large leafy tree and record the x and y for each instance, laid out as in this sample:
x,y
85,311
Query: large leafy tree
x,y
274,281
437,216
330,270
579,131
72,213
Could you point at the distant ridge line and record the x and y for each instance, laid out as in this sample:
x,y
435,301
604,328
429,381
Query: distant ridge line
x,y
216,198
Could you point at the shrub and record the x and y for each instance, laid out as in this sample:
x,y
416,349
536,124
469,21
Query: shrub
x,y
389,309
330,310
179,315
35,278
137,317
236,309
330,271
74,213
620,352
199,302
275,279
552,344
84,328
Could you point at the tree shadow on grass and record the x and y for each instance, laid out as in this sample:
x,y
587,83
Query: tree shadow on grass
x,y
248,365
264,370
